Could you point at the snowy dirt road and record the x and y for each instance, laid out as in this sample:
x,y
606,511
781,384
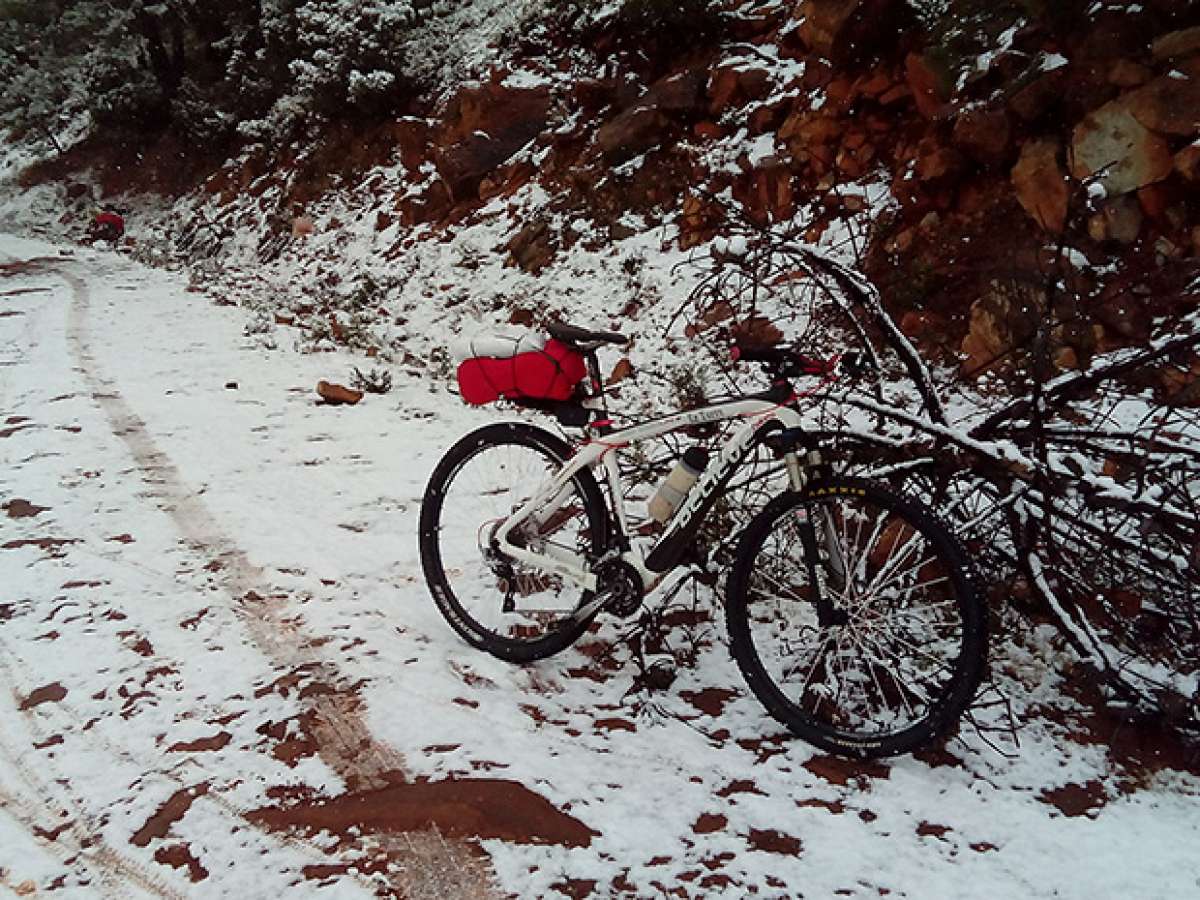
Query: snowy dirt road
x,y
222,675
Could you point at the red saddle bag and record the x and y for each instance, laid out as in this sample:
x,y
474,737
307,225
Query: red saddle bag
x,y
547,374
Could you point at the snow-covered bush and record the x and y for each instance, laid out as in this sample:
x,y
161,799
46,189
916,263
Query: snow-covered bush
x,y
350,54
200,68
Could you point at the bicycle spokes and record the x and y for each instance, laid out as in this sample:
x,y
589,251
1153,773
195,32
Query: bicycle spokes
x,y
884,653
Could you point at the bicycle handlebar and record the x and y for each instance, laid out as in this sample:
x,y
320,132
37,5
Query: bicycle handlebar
x,y
785,361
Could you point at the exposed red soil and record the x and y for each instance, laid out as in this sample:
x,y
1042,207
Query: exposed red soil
x,y
12,429
599,677
1074,800
928,829
712,863
51,544
576,888
771,841
1138,748
26,266
290,750
840,771
327,873
763,748
837,807
202,745
739,787
194,620
23,509
709,823
710,701
51,834
142,646
168,165
180,857
171,812
938,756
49,693
615,725
482,808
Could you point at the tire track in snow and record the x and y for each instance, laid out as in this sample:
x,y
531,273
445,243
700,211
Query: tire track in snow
x,y
68,718
343,740
347,746
57,819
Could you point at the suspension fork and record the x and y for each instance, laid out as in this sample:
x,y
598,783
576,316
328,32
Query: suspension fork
x,y
798,471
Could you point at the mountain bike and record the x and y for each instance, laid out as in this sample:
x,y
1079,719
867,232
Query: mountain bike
x,y
851,610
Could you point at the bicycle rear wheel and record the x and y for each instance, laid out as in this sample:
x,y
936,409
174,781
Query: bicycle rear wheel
x,y
904,645
510,610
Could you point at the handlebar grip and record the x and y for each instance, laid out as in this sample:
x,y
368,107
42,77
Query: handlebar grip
x,y
788,362
760,354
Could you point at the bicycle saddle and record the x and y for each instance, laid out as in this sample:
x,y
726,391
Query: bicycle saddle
x,y
584,338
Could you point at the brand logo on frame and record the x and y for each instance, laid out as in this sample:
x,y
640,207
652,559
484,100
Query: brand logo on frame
x,y
702,491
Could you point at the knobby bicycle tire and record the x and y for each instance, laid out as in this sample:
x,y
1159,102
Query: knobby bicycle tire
x,y
475,610
903,661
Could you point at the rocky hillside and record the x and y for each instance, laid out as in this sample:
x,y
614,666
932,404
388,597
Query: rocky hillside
x,y
964,142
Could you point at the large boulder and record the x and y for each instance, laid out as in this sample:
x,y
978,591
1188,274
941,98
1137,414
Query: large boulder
x,y
929,88
936,161
1002,318
825,21
1170,104
1119,219
1041,184
495,110
1113,144
645,124
1187,162
984,135
843,29
482,128
464,165
1040,95
681,94
1177,44
632,132
533,247
734,86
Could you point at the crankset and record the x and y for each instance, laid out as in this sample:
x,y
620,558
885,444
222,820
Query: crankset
x,y
620,587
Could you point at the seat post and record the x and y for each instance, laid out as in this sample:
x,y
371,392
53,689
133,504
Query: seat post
x,y
594,376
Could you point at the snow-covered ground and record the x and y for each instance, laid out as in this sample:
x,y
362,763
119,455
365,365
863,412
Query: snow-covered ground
x,y
212,619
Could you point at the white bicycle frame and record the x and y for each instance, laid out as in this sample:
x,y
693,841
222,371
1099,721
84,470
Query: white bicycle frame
x,y
600,450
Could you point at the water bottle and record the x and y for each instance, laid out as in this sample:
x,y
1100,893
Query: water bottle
x,y
672,491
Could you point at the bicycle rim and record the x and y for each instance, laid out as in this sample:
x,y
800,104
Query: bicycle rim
x,y
501,605
904,654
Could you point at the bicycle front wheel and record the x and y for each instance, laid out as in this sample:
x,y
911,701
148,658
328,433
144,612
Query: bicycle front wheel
x,y
511,610
897,650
